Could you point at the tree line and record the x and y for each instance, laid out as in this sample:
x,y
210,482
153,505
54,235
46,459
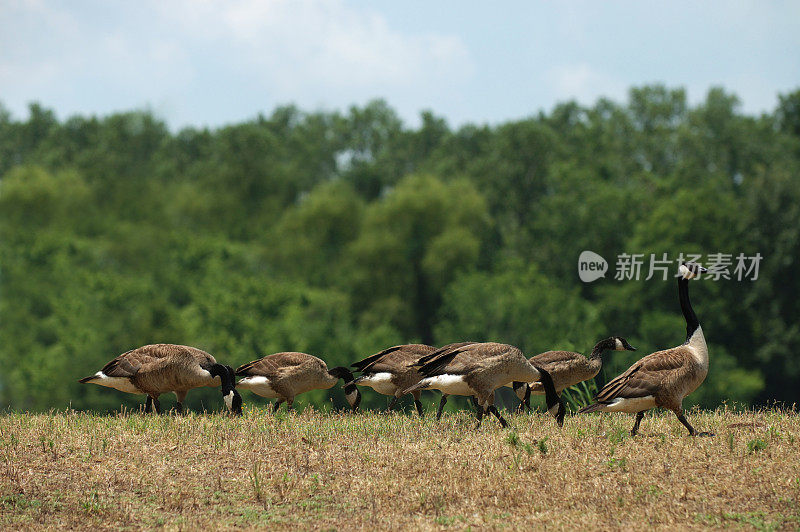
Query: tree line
x,y
341,233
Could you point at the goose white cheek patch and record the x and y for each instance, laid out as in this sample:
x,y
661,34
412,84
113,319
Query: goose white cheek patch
x,y
229,400
351,397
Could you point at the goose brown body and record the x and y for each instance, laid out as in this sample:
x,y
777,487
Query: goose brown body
x,y
284,376
568,368
477,369
162,368
663,378
392,371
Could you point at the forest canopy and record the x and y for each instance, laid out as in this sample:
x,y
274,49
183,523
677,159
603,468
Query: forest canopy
x,y
342,233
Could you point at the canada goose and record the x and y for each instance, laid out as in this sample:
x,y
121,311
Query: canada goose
x,y
478,369
283,376
568,368
392,370
163,368
662,378
439,352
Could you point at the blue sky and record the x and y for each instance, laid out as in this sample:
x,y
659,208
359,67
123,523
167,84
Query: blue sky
x,y
210,62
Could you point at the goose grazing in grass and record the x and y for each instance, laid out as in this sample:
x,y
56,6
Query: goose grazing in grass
x,y
568,368
662,378
283,376
162,368
437,353
392,370
478,369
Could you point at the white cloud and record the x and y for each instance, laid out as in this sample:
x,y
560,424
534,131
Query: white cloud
x,y
186,54
581,82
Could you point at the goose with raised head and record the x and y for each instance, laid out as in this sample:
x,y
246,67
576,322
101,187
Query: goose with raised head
x,y
664,378
283,376
568,368
163,368
392,370
478,369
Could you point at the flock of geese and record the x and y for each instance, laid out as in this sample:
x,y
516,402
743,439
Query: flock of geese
x,y
474,369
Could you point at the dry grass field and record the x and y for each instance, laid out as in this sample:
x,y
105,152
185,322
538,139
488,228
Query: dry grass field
x,y
341,471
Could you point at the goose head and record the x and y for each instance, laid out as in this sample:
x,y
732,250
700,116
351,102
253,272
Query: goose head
x,y
690,270
621,344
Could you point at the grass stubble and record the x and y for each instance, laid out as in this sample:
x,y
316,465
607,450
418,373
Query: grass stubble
x,y
372,470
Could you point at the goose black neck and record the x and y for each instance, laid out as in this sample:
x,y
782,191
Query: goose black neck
x,y
692,323
343,373
601,346
554,404
225,377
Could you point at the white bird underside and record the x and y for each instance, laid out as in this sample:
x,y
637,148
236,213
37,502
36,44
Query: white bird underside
x,y
380,382
122,384
259,385
631,405
449,384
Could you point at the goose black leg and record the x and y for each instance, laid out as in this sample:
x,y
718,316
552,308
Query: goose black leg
x,y
181,397
277,405
494,411
392,403
418,404
476,403
441,406
479,414
525,399
686,424
152,404
635,429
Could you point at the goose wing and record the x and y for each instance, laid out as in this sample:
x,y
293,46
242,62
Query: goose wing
x,y
442,351
646,377
397,357
277,365
158,351
131,362
362,364
466,358
556,360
